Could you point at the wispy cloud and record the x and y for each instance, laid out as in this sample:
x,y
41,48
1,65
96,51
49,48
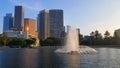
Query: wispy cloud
x,y
29,4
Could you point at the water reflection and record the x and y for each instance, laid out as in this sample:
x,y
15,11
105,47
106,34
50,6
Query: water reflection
x,y
69,61
45,57
106,58
49,59
9,59
29,58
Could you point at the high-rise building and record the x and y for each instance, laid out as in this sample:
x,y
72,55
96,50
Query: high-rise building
x,y
117,33
8,22
30,27
78,29
43,24
19,18
50,23
56,22
68,28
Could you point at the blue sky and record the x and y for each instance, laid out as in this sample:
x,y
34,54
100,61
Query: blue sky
x,y
88,15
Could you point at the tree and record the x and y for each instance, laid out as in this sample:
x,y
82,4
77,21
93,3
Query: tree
x,y
21,42
4,39
51,41
92,34
29,41
17,42
107,34
34,40
98,35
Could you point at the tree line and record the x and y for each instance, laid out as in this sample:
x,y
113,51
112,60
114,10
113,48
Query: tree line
x,y
52,41
96,38
15,42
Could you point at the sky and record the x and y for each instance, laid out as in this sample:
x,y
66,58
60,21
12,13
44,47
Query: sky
x,y
88,15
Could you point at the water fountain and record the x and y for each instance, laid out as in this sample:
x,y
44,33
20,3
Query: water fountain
x,y
72,45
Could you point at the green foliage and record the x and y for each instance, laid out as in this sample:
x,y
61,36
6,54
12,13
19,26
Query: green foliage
x,y
51,41
96,38
4,39
107,34
30,41
96,35
18,42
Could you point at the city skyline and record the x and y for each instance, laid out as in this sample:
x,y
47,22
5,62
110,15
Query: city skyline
x,y
87,15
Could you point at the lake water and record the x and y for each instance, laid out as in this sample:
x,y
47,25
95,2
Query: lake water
x,y
45,57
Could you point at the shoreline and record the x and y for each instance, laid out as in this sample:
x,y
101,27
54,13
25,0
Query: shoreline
x,y
104,46
93,46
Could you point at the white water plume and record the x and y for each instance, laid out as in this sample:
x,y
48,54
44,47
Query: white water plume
x,y
72,44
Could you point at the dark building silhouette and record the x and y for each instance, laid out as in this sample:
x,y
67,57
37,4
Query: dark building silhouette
x,y
56,22
19,18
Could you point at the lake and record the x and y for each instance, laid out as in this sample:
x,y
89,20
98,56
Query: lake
x,y
44,57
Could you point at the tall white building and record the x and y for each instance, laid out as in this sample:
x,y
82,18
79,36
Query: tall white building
x,y
117,33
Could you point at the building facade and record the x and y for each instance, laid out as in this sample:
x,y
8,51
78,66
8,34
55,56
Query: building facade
x,y
50,23
19,18
117,33
30,27
43,24
17,34
56,22
68,27
7,22
78,29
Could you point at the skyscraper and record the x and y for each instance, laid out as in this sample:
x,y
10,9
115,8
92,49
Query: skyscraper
x,y
56,22
43,24
8,22
30,27
19,18
50,23
78,29
68,27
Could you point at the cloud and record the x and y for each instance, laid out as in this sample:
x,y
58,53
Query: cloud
x,y
29,4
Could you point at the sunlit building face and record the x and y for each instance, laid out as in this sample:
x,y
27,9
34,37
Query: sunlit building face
x,y
30,26
27,28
